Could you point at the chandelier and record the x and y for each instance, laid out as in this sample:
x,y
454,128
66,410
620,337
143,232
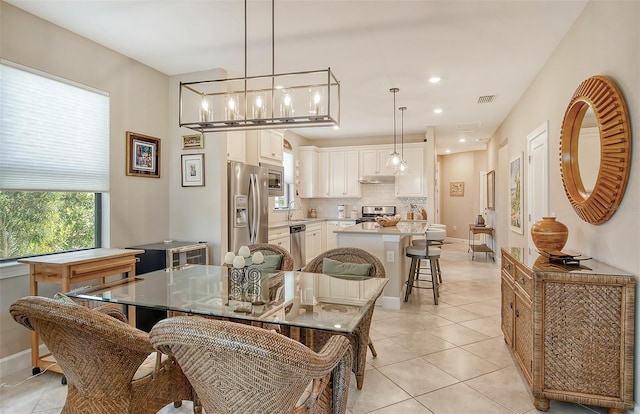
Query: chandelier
x,y
394,160
283,100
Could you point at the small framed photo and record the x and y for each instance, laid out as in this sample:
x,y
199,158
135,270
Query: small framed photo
x,y
195,141
143,155
456,189
491,190
193,170
515,194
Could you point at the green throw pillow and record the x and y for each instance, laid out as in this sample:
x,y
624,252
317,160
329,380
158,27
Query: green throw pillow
x,y
271,263
335,267
63,298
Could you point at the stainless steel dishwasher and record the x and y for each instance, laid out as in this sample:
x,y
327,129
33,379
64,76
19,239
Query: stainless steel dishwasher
x,y
298,245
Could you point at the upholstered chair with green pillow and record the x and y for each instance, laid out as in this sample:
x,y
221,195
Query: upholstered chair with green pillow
x,y
272,263
350,262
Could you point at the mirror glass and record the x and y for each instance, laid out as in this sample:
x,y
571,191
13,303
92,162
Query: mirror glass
x,y
588,151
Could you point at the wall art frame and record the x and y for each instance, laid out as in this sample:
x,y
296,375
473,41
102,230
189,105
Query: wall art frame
x,y
456,189
192,170
194,141
491,190
515,195
142,155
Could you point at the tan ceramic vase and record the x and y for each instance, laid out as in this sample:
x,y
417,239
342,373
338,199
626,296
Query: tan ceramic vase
x,y
549,234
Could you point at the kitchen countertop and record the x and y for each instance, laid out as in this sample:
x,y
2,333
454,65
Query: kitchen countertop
x,y
295,222
408,228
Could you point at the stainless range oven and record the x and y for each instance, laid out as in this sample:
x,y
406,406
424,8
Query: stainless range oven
x,y
369,213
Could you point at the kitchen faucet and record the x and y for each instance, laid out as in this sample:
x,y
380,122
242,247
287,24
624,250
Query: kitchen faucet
x,y
291,204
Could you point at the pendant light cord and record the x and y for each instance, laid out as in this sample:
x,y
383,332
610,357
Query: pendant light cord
x,y
402,132
394,90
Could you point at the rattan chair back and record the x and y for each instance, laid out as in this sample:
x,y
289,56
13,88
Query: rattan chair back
x,y
237,368
360,337
268,249
99,355
347,255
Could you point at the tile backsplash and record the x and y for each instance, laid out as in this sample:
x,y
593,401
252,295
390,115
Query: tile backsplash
x,y
371,195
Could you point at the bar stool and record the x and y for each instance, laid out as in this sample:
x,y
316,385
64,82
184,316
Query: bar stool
x,y
427,251
421,242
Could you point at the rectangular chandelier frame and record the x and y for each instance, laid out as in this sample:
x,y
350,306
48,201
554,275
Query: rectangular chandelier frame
x,y
275,101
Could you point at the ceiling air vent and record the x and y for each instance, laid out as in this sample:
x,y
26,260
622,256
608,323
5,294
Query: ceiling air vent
x,y
486,99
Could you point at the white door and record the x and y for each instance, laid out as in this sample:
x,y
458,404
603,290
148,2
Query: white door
x,y
537,177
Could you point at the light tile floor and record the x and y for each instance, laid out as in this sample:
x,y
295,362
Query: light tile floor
x,y
449,358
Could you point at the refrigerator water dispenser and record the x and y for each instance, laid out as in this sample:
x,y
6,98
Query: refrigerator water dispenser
x,y
240,207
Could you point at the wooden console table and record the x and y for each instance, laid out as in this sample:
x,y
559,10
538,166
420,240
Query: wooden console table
x,y
570,329
74,267
483,247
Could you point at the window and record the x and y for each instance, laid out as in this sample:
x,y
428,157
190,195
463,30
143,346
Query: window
x,y
54,163
289,189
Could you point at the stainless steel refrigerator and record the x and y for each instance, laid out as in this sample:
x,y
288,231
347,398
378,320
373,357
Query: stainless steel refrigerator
x,y
248,204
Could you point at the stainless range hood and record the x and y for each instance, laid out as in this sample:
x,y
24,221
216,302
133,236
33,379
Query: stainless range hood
x,y
377,179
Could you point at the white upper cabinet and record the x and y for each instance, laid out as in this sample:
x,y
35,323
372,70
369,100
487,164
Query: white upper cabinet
x,y
270,143
236,146
412,184
373,162
322,175
308,163
344,174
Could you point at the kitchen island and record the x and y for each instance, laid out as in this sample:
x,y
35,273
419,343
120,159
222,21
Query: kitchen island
x,y
386,243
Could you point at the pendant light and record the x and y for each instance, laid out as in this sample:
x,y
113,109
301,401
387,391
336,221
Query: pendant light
x,y
261,102
393,162
403,168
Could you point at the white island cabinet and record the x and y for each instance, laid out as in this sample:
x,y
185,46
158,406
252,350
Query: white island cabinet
x,y
387,244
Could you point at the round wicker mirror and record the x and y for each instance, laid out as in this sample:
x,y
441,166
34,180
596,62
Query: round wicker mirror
x,y
597,204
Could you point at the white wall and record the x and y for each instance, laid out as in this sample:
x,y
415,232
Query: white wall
x,y
604,40
198,214
139,102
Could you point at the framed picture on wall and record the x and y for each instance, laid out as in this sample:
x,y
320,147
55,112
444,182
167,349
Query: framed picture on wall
x,y
491,190
195,141
193,170
456,189
515,194
143,155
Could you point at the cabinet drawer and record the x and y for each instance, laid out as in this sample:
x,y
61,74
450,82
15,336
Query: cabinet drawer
x,y
507,265
524,279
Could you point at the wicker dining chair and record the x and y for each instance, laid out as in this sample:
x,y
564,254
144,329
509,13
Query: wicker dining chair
x,y
360,338
236,368
269,249
110,366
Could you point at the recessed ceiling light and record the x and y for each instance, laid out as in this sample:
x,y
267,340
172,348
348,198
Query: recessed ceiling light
x,y
477,139
462,140
447,151
437,110
434,79
336,127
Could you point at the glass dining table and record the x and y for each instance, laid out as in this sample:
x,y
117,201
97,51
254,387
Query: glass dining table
x,y
293,299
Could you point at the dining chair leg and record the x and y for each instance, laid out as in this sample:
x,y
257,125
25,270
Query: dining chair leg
x,y
373,350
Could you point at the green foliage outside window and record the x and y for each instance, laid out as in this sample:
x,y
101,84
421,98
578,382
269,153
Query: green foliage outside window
x,y
33,223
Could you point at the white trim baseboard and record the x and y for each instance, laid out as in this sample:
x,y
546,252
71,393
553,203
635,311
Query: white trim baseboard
x,y
18,361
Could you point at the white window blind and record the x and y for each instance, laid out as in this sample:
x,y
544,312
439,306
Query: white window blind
x,y
54,135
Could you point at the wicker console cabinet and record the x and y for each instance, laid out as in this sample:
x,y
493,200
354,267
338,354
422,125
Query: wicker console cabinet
x,y
570,329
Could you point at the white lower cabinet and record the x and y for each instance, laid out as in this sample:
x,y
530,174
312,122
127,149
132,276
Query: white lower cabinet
x,y
331,237
280,237
313,241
